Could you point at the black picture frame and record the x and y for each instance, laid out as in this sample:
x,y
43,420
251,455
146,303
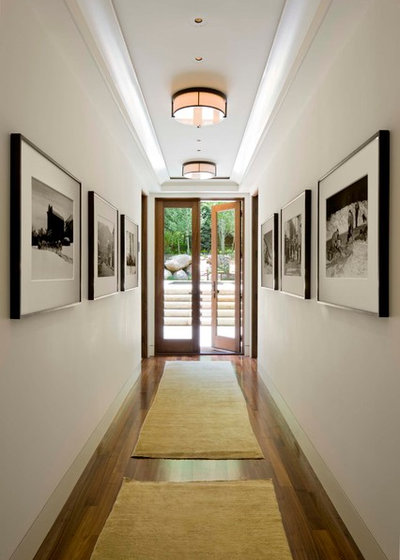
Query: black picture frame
x,y
353,254
103,237
295,265
129,271
270,253
45,232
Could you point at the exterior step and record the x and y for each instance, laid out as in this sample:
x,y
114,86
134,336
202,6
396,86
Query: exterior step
x,y
177,297
205,321
177,313
178,304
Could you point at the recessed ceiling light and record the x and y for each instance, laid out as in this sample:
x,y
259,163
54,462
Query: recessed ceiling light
x,y
198,58
198,20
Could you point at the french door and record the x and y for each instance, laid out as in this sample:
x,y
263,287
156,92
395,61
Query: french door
x,y
188,289
177,276
226,275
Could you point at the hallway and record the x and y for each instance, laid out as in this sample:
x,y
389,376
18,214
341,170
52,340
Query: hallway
x,y
314,529
305,128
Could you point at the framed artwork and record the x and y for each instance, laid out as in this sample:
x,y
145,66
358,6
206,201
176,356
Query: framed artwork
x,y
103,247
353,230
129,254
269,253
45,232
296,246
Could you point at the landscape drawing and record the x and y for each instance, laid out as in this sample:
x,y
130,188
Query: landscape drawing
x,y
292,246
105,248
52,233
131,257
347,232
267,252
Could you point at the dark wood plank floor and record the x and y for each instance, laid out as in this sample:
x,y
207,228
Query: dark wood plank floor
x,y
314,529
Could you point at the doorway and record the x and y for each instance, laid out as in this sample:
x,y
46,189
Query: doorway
x,y
198,276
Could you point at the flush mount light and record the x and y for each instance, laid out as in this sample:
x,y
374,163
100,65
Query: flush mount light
x,y
199,170
199,106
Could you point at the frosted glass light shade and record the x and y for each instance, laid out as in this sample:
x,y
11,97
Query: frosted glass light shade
x,y
199,106
199,170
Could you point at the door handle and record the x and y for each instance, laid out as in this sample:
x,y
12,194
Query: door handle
x,y
215,291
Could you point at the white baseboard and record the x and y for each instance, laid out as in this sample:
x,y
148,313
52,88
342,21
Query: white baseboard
x,y
31,542
347,511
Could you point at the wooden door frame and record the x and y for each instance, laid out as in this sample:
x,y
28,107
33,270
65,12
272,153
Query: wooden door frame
x,y
144,276
233,345
254,275
177,346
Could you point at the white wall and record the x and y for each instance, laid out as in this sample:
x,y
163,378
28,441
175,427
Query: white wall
x,y
336,373
63,374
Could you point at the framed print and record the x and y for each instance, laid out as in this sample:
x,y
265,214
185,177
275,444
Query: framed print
x,y
129,254
103,247
353,230
269,253
45,232
296,246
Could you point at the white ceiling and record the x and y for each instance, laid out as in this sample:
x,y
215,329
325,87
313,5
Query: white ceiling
x,y
146,51
234,41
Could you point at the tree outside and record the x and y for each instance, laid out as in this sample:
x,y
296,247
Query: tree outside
x,y
178,237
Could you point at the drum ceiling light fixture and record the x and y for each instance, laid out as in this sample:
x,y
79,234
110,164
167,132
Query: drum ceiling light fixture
x,y
199,170
199,106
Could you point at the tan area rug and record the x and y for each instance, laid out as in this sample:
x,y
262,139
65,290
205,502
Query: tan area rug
x,y
201,520
199,412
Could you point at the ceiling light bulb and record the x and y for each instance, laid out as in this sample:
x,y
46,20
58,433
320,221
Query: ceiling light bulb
x,y
198,20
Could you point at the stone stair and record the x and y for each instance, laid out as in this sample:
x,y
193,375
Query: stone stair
x,y
178,303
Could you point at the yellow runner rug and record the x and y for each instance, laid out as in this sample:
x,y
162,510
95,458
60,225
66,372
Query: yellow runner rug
x,y
201,520
198,412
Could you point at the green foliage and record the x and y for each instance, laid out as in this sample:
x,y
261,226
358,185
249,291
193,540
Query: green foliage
x,y
226,231
205,227
178,230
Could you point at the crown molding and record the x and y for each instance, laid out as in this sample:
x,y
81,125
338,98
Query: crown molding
x,y
98,24
297,29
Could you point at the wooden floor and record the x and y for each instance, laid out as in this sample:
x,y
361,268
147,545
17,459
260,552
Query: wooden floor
x,y
313,527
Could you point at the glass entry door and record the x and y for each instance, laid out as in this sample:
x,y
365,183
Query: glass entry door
x,y
226,274
177,293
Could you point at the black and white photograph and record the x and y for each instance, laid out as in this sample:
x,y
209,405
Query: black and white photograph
x,y
347,232
292,251
129,254
130,261
103,247
353,217
45,232
52,233
269,253
296,246
267,248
